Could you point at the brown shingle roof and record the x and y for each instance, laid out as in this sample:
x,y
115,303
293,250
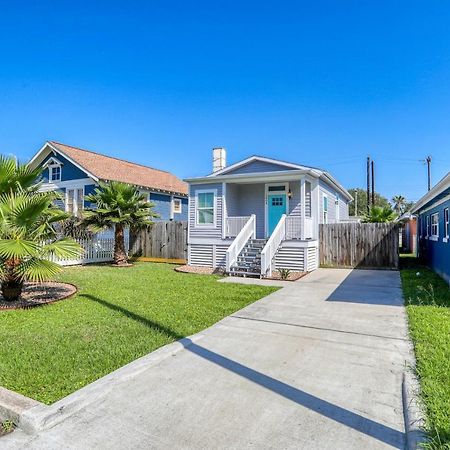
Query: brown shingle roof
x,y
114,169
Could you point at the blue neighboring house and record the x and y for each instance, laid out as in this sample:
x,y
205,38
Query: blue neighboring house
x,y
76,172
433,227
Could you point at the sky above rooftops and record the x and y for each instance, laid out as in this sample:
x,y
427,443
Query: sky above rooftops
x,y
161,83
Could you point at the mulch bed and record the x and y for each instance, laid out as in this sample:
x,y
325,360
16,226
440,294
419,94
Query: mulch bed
x,y
199,270
293,276
38,294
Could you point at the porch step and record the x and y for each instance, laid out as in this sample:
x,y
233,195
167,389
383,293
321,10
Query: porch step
x,y
248,262
240,273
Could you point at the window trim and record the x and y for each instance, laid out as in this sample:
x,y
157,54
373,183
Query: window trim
x,y
434,236
427,234
325,211
75,190
206,225
50,173
174,208
446,225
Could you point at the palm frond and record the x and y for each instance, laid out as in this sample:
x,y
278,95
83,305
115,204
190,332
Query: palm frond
x,y
37,269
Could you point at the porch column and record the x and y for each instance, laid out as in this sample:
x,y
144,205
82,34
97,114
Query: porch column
x,y
224,210
302,209
315,207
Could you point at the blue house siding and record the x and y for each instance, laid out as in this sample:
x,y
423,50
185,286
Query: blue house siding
x,y
436,253
69,171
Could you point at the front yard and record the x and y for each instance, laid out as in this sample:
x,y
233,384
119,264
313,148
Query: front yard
x,y
428,305
118,315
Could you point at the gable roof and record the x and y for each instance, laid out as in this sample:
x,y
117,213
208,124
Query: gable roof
x,y
254,158
108,168
437,193
290,168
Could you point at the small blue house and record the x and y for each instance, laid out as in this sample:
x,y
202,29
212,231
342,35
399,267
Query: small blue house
x,y
261,214
433,227
76,172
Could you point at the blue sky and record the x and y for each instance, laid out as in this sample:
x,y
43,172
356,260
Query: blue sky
x,y
161,83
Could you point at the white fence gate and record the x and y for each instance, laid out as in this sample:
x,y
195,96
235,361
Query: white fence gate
x,y
96,249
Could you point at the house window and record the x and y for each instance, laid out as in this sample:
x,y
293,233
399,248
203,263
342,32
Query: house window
x,y
55,173
177,206
75,201
446,223
428,226
435,225
206,208
277,201
276,188
325,209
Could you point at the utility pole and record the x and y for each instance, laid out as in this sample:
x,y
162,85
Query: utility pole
x,y
373,183
428,161
368,184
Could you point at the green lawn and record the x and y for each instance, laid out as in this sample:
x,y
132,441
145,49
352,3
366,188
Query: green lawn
x,y
428,306
118,315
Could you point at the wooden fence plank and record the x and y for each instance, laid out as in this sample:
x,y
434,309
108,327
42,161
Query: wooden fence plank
x,y
165,240
359,245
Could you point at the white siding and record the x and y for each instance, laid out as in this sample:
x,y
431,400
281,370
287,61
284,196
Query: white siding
x,y
292,258
208,255
203,231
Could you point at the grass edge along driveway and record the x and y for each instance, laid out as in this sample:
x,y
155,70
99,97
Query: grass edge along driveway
x,y
118,315
427,299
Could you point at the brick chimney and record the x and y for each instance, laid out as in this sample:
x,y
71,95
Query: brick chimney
x,y
219,158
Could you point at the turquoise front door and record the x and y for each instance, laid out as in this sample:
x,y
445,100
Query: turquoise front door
x,y
276,207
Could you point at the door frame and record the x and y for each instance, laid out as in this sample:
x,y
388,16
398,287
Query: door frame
x,y
266,203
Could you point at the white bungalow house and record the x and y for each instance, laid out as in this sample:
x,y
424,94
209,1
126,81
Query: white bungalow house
x,y
261,214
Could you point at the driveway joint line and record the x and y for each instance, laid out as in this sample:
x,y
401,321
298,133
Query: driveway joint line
x,y
319,328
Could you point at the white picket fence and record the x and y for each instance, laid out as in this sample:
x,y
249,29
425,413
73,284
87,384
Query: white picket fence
x,y
97,249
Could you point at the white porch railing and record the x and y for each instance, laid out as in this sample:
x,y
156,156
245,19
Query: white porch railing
x,y
271,247
293,227
94,250
308,228
234,225
247,232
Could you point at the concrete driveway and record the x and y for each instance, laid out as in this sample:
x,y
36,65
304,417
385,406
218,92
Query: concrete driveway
x,y
317,365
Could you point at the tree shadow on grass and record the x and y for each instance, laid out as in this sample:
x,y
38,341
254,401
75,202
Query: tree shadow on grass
x,y
334,412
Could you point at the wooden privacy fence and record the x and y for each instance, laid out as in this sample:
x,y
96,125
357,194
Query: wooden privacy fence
x,y
365,245
164,240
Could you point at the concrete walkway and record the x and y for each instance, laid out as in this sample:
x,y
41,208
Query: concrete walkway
x,y
316,365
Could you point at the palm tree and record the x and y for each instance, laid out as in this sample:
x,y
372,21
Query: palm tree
x,y
378,214
399,204
28,236
28,240
118,205
15,176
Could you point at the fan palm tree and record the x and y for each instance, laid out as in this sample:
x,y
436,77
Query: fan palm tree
x,y
28,239
399,204
118,205
377,214
15,176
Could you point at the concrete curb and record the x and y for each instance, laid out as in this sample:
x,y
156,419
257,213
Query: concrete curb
x,y
412,411
32,416
13,405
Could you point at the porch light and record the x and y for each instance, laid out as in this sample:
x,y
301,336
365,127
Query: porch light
x,y
289,194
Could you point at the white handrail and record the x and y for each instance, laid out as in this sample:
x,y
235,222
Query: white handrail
x,y
271,247
248,232
234,225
